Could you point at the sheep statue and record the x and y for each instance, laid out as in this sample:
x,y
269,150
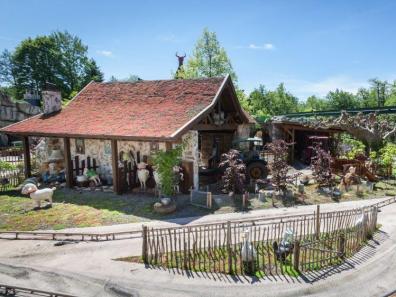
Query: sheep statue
x,y
38,195
143,175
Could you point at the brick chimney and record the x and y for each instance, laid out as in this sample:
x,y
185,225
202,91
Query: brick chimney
x,y
52,99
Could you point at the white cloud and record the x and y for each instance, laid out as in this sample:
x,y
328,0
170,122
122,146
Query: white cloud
x,y
265,46
105,53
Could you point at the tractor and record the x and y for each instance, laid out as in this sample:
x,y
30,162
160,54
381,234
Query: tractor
x,y
252,155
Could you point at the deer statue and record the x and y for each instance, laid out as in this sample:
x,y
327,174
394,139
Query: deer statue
x,y
181,60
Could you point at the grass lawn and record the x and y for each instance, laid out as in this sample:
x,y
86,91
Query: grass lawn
x,y
73,209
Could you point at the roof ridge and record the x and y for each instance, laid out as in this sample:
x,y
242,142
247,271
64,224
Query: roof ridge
x,y
162,80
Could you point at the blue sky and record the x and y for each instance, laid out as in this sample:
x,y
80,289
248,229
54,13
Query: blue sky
x,y
311,46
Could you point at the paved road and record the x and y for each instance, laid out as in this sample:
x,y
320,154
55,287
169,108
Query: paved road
x,y
88,269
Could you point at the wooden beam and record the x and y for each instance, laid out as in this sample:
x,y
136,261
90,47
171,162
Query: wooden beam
x,y
114,163
201,127
168,146
68,163
26,157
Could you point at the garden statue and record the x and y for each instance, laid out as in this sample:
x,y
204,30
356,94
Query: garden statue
x,y
180,60
248,253
38,195
350,178
92,176
143,175
157,179
286,245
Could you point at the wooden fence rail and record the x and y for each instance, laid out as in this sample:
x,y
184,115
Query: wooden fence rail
x,y
319,240
9,290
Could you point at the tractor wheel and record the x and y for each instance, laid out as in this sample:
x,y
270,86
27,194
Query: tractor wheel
x,y
257,170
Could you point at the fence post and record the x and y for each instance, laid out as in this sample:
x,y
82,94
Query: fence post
x,y
341,247
229,247
144,245
296,255
209,200
317,225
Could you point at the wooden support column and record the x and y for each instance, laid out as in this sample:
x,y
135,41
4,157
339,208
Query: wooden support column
x,y
26,157
168,146
68,163
293,146
114,162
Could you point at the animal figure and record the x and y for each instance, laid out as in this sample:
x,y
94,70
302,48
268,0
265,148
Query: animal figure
x,y
38,195
157,179
248,252
143,175
92,176
179,177
350,178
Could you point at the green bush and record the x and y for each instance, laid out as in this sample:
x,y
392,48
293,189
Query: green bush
x,y
6,165
388,154
357,147
164,162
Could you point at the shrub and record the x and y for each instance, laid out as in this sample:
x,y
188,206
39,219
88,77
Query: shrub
x,y
164,162
355,147
6,165
321,166
235,172
388,154
279,166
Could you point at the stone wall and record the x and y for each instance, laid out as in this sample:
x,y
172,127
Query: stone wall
x,y
12,112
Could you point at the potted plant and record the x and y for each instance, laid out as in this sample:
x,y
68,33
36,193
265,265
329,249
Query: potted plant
x,y
165,163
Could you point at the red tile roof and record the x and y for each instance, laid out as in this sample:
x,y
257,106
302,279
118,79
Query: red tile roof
x,y
143,109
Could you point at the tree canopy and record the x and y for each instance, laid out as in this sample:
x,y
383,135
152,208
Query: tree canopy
x,y
59,58
208,59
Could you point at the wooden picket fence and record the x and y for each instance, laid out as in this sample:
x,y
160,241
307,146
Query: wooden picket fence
x,y
10,178
320,240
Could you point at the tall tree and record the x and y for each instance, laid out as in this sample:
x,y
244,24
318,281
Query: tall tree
x,y
262,102
209,59
381,88
59,58
7,70
340,99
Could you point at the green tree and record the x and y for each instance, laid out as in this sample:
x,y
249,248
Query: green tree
x,y
59,58
314,103
209,59
7,71
262,102
339,100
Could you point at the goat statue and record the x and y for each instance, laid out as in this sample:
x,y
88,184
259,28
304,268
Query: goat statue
x,y
38,195
143,175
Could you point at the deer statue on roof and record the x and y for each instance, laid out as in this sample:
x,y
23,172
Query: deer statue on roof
x,y
181,60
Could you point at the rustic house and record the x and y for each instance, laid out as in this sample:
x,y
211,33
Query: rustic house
x,y
113,126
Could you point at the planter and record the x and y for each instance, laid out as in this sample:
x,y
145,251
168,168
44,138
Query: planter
x,y
164,209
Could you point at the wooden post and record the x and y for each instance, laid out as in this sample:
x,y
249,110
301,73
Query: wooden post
x,y
209,200
26,157
68,163
317,225
229,247
144,245
293,146
296,255
114,162
341,246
